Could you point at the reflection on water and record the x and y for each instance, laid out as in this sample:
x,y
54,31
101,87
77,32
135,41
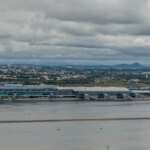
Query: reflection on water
x,y
109,135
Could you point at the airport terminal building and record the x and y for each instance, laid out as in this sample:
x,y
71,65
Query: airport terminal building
x,y
14,92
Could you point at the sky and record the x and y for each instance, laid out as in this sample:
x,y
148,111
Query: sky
x,y
89,31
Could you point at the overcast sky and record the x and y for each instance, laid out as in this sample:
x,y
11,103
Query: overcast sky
x,y
90,30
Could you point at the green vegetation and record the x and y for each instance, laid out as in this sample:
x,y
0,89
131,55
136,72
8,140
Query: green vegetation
x,y
74,76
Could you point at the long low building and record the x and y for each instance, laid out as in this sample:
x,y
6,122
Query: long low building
x,y
16,91
95,89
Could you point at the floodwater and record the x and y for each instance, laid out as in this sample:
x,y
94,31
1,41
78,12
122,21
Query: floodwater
x,y
87,135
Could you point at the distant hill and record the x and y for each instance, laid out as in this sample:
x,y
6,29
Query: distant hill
x,y
54,64
129,66
133,66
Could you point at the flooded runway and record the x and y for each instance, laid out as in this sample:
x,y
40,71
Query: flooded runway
x,y
87,131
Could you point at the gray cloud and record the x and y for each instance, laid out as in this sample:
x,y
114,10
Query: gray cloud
x,y
82,29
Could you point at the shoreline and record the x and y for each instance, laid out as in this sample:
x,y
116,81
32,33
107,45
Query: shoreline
x,y
37,100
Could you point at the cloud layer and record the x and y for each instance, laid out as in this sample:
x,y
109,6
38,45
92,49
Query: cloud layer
x,y
82,29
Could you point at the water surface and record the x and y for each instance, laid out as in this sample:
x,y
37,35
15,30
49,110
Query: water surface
x,y
96,135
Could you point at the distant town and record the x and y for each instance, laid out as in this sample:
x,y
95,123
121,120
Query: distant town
x,y
32,83
134,75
